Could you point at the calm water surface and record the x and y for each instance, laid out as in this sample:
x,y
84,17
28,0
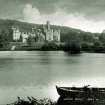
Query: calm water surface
x,y
36,73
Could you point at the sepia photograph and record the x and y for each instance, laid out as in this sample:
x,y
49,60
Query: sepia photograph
x,y
52,52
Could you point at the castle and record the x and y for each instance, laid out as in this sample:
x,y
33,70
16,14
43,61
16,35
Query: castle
x,y
46,33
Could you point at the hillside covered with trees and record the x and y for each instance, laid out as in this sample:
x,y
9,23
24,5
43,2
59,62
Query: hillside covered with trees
x,y
88,40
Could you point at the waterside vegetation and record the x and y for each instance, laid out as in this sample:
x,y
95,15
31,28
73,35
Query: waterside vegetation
x,y
33,101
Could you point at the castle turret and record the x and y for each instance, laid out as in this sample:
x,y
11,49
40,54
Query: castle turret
x,y
48,25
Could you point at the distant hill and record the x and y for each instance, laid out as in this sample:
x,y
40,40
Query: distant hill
x,y
6,23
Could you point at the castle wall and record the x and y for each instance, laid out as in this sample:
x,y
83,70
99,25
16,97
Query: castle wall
x,y
24,37
16,34
49,35
56,35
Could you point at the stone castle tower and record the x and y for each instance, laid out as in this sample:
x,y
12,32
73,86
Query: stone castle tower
x,y
16,33
51,34
48,32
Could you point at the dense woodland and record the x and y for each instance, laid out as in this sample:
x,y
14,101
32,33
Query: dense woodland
x,y
88,41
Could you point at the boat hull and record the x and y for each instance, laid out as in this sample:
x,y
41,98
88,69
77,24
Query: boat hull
x,y
81,93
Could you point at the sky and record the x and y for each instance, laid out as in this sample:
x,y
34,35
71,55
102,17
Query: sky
x,y
87,15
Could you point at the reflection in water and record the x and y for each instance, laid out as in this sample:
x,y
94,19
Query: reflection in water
x,y
45,57
35,73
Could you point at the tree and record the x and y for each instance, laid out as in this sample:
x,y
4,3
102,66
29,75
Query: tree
x,y
98,47
4,40
30,40
48,46
72,47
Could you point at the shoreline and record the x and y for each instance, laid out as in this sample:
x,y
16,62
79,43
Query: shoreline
x,y
53,51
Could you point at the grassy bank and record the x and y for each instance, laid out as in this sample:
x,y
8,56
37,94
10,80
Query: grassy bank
x,y
32,101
